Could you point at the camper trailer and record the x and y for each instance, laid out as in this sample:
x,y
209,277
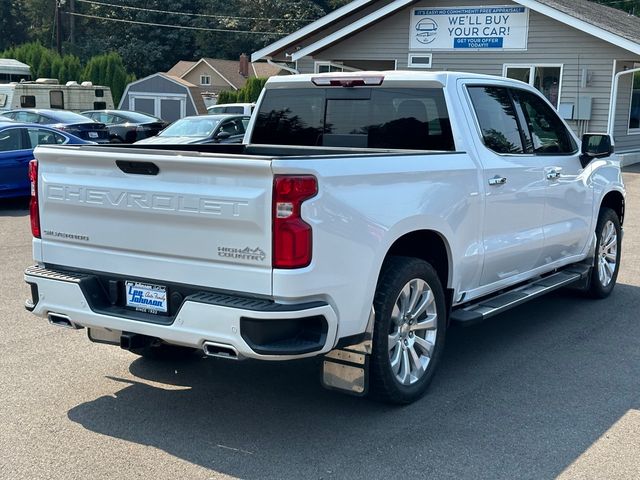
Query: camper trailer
x,y
48,93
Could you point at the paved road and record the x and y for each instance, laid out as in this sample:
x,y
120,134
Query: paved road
x,y
550,389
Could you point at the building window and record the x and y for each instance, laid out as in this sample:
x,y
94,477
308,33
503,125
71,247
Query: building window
x,y
326,67
27,101
546,78
99,92
205,80
56,99
634,112
420,60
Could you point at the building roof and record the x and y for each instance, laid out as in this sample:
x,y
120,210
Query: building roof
x,y
606,23
229,70
310,29
180,68
609,19
9,65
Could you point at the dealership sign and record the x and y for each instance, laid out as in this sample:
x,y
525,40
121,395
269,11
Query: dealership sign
x,y
482,28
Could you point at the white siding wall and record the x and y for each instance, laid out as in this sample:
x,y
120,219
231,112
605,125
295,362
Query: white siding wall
x,y
550,42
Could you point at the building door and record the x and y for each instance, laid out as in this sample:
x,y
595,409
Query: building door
x,y
142,104
171,109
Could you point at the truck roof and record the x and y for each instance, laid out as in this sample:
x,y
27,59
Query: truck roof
x,y
436,78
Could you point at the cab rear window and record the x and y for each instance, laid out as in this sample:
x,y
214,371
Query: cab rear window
x,y
405,119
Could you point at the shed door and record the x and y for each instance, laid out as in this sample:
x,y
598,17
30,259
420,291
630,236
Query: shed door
x,y
170,109
144,105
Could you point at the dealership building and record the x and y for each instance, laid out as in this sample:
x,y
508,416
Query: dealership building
x,y
583,57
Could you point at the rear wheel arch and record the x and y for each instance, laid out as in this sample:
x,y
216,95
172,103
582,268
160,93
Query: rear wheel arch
x,y
427,245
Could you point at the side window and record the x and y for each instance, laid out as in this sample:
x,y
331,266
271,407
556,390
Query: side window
x,y
56,99
548,133
38,136
11,139
27,117
497,119
27,101
234,110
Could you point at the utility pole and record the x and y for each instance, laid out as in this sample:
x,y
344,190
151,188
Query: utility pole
x,y
72,22
59,26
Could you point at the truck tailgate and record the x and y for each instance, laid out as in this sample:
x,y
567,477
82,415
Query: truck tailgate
x,y
201,219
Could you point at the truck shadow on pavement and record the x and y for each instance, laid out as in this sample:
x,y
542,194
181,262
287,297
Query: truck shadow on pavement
x,y
521,396
14,207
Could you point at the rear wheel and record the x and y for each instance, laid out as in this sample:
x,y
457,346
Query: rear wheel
x,y
608,248
409,330
165,352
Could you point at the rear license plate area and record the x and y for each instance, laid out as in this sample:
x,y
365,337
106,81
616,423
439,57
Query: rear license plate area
x,y
146,297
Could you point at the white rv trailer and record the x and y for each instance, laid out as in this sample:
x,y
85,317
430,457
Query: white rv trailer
x,y
48,93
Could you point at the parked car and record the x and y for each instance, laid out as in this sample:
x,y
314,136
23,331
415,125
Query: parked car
x,y
17,141
70,122
231,108
203,129
125,126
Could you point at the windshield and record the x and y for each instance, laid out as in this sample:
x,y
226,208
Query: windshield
x,y
191,127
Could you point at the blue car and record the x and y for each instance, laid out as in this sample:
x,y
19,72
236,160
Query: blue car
x,y
17,141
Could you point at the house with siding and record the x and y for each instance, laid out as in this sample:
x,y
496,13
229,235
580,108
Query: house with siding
x,y
584,57
213,75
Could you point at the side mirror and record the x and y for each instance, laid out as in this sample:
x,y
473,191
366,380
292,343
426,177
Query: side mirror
x,y
222,135
595,145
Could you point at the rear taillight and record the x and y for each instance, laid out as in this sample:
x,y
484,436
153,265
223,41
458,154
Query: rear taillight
x,y
292,236
34,210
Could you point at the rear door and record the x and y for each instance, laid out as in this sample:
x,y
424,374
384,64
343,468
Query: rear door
x,y
15,154
190,218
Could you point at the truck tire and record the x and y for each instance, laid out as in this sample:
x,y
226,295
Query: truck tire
x,y
409,330
607,258
165,352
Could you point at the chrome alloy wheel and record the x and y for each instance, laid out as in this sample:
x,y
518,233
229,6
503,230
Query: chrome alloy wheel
x,y
413,330
608,254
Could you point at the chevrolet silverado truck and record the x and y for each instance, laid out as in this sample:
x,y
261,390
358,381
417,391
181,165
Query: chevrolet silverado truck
x,y
364,214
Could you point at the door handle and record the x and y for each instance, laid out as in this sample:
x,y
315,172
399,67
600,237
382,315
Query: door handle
x,y
497,180
554,173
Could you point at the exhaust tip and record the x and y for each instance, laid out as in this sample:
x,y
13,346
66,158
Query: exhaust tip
x,y
220,350
60,320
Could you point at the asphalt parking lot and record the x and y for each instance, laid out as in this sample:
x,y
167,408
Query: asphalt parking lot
x,y
551,389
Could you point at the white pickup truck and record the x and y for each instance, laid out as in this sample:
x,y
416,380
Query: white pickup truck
x,y
365,213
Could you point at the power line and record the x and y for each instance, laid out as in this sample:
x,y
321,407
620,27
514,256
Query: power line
x,y
172,26
230,17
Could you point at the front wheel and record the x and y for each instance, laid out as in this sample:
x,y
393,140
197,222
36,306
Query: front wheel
x,y
608,249
409,330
